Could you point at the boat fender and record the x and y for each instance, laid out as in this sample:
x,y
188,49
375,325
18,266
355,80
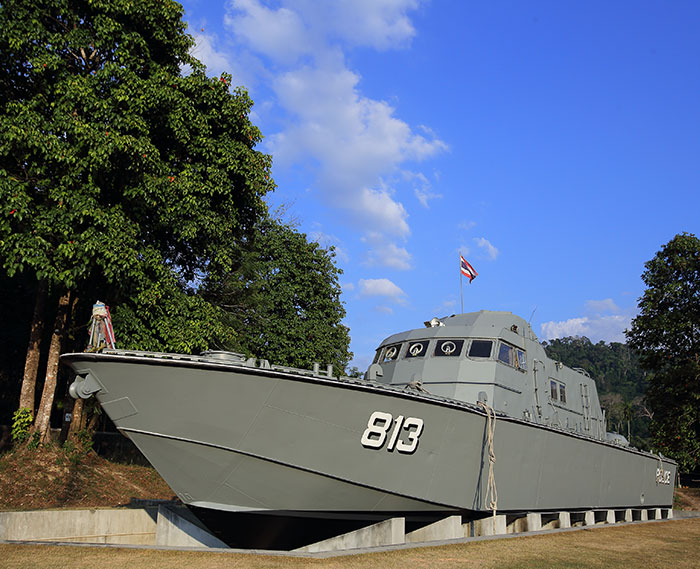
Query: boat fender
x,y
84,386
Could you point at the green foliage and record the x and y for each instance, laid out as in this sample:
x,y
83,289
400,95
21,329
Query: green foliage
x,y
283,301
34,441
666,334
116,171
76,449
166,315
21,422
620,381
615,367
673,395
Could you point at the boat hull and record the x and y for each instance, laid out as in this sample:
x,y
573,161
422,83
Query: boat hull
x,y
241,439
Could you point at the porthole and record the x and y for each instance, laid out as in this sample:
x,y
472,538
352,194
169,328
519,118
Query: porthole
x,y
449,348
417,349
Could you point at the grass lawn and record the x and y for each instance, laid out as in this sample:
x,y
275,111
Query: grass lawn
x,y
673,544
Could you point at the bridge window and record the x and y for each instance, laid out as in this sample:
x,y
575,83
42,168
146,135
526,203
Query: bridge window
x,y
417,349
449,347
553,392
480,349
562,393
505,354
512,356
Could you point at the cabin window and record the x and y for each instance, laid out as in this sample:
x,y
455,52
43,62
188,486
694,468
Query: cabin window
x,y
449,347
392,352
480,349
522,359
505,354
417,349
557,391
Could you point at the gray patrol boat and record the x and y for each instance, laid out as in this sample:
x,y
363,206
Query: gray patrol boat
x,y
465,415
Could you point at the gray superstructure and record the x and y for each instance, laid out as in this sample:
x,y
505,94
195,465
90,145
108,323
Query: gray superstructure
x,y
234,434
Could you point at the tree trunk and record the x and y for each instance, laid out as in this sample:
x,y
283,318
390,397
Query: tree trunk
x,y
42,424
31,363
76,421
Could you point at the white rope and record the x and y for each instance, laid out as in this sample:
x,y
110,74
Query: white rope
x,y
491,493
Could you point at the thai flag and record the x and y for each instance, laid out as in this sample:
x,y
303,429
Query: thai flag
x,y
467,270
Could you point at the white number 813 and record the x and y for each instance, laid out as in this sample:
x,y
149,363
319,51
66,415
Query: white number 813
x,y
381,423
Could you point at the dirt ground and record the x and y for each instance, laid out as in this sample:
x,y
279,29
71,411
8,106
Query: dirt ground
x,y
687,499
58,478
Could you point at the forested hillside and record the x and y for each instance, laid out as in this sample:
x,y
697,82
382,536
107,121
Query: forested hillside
x,y
620,379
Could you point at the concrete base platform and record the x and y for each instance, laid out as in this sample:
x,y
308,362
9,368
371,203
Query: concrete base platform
x,y
174,526
164,524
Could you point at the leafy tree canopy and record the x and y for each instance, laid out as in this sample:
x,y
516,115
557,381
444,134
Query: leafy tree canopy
x,y
284,300
111,161
614,366
666,334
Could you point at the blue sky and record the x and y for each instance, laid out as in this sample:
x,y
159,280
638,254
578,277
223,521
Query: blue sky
x,y
556,145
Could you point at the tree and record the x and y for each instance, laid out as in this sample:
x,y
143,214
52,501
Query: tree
x,y
666,334
284,300
117,169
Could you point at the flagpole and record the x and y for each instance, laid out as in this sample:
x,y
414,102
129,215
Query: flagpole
x,y
461,290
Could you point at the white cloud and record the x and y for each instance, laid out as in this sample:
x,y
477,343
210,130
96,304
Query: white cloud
x,y
279,34
381,212
604,321
382,24
351,142
491,251
381,287
386,254
608,328
244,68
204,49
422,188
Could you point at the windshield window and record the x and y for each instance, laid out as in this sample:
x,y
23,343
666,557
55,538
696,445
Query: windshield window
x,y
514,357
505,354
480,349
